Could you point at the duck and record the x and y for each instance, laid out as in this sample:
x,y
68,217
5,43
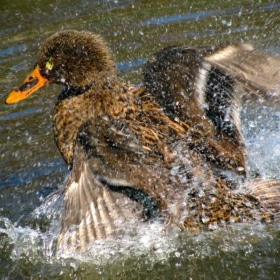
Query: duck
x,y
140,154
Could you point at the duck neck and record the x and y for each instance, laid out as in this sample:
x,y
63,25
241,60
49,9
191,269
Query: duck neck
x,y
71,91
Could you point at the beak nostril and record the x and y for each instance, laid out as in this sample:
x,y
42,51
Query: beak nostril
x,y
30,78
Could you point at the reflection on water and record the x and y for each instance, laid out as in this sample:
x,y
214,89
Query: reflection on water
x,y
32,172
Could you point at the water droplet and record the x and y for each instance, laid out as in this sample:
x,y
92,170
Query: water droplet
x,y
177,254
252,124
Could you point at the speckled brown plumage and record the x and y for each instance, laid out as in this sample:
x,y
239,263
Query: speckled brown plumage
x,y
128,149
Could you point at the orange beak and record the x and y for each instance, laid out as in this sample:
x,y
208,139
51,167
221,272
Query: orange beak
x,y
32,83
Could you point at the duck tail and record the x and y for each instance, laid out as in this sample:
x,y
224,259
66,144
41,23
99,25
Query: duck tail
x,y
267,191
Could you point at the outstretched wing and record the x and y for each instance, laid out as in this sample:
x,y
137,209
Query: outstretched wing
x,y
200,93
113,183
91,211
257,74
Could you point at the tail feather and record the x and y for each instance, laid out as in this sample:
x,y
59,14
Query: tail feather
x,y
267,191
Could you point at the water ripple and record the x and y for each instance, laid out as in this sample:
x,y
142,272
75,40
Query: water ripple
x,y
205,14
20,114
12,50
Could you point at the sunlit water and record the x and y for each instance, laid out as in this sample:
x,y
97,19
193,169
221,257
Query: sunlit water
x,y
32,173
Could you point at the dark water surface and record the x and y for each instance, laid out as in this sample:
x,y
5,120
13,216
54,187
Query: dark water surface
x,y
31,167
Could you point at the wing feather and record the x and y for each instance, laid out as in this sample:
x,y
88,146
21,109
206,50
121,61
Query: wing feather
x,y
202,95
91,211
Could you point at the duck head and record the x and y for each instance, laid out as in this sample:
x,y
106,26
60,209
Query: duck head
x,y
72,58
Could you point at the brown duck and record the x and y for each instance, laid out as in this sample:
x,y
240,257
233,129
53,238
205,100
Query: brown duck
x,y
153,152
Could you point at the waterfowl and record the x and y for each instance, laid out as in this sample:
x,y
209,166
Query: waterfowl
x,y
146,153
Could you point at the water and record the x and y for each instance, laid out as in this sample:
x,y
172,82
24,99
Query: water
x,y
32,173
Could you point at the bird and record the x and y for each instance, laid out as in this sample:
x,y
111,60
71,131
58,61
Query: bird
x,y
146,153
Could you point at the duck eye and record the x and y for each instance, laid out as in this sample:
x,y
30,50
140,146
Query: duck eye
x,y
49,64
57,56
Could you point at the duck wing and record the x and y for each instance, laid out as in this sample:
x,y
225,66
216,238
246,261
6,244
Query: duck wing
x,y
91,211
257,74
109,185
200,93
